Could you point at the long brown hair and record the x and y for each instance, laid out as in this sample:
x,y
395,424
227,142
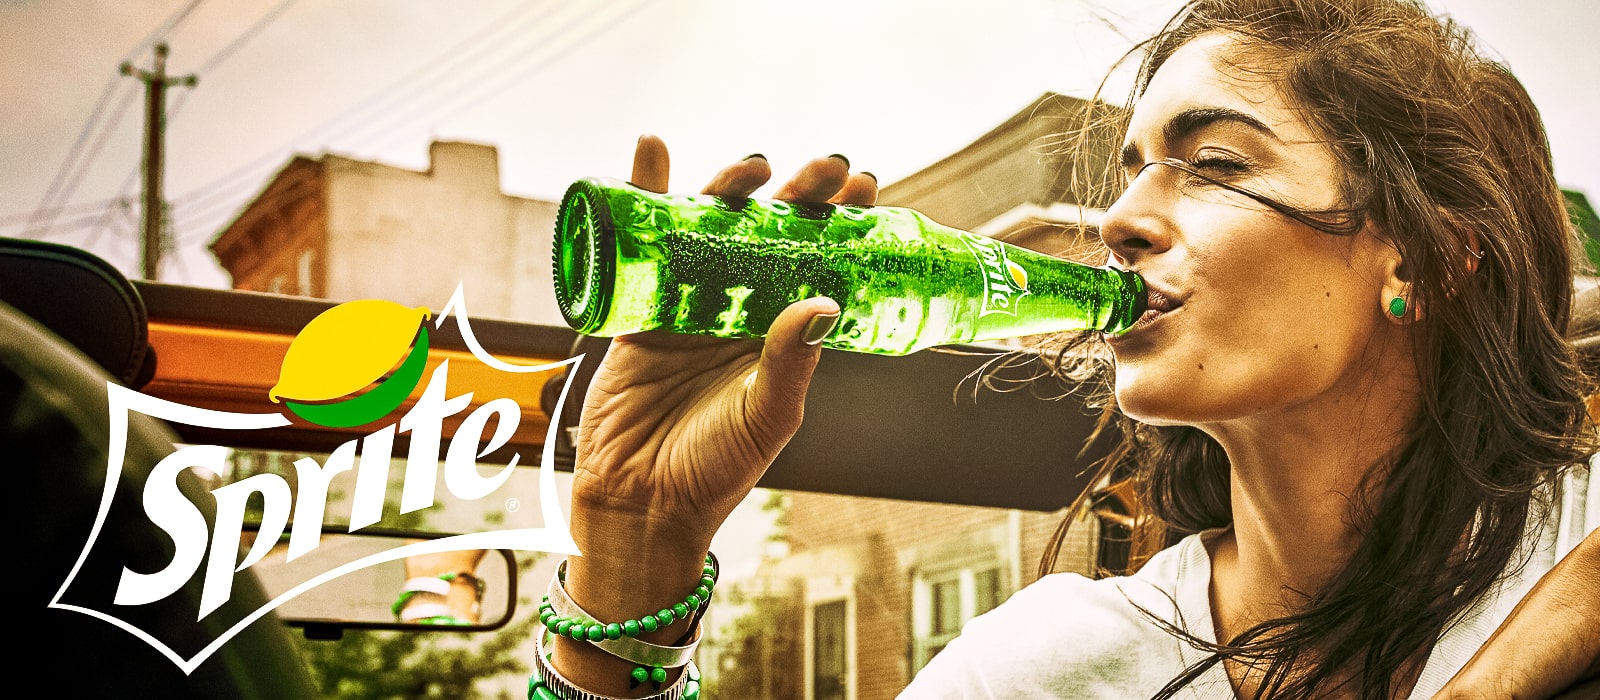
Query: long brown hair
x,y
1443,152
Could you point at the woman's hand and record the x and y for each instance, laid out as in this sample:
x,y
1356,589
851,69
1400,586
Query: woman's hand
x,y
677,429
1549,644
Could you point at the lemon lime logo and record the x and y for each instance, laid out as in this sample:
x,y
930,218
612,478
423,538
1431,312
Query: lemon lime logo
x,y
1005,282
353,365
347,349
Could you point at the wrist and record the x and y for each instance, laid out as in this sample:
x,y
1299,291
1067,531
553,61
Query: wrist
x,y
630,564
666,632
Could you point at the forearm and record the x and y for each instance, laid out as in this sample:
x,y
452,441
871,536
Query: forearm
x,y
1549,642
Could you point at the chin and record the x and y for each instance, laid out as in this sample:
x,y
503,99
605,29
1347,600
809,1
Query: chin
x,y
1155,403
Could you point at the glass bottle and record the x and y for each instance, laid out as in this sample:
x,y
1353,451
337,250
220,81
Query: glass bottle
x,y
629,260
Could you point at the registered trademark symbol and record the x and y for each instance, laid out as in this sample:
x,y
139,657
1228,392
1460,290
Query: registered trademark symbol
x,y
513,505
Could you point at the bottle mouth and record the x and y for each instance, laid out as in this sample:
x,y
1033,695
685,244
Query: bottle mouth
x,y
1131,304
585,257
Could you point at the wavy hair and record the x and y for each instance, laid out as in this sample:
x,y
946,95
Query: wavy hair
x,y
1443,152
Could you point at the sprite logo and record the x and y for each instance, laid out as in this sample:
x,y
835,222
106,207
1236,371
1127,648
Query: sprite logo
x,y
347,348
1005,282
353,365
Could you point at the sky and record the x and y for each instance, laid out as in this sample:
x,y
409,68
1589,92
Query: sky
x,y
564,88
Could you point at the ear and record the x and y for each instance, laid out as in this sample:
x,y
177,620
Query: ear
x,y
1397,302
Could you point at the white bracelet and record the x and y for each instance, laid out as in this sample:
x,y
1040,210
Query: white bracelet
x,y
421,611
427,584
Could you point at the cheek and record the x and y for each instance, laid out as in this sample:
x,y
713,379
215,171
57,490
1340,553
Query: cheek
x,y
1248,355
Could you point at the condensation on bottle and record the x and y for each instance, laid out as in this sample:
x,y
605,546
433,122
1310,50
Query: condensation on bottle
x,y
628,260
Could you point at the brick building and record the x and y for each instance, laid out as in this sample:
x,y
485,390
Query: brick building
x,y
337,228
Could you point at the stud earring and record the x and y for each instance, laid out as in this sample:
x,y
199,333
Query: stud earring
x,y
1397,307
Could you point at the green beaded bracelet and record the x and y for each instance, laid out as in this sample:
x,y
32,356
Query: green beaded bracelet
x,y
583,630
539,688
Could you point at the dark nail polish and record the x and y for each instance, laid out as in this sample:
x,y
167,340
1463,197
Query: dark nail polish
x,y
874,177
753,155
818,328
842,159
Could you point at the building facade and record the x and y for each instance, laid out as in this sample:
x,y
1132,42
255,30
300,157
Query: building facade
x,y
336,228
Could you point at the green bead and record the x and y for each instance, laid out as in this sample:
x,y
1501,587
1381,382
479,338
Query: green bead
x,y
691,690
613,631
576,631
694,672
631,628
702,591
681,610
533,684
692,602
658,675
596,632
562,627
640,675
543,693
708,571
648,623
1397,307
547,618
708,582
664,617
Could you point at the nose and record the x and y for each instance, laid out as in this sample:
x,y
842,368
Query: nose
x,y
1138,224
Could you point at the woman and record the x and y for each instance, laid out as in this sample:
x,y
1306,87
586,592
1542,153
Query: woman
x,y
1352,389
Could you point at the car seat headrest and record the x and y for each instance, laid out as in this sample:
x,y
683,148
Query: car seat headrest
x,y
82,299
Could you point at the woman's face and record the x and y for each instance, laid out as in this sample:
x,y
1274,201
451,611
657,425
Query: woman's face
x,y
1266,314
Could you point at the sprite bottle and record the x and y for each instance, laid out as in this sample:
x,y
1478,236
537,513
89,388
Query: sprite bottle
x,y
629,260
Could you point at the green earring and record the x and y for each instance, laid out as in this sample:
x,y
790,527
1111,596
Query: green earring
x,y
1397,307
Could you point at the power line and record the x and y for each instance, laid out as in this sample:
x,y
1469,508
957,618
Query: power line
x,y
67,165
23,217
395,90
43,227
217,201
233,47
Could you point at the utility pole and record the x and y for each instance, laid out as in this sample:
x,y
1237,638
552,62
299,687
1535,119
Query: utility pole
x,y
155,116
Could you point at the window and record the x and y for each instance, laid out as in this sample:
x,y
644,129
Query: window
x,y
943,602
829,673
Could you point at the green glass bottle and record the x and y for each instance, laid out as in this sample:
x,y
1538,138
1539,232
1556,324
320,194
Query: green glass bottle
x,y
630,260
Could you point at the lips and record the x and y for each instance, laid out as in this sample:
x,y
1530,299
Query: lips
x,y
1159,302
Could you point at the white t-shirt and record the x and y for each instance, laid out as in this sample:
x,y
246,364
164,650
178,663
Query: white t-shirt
x,y
1067,636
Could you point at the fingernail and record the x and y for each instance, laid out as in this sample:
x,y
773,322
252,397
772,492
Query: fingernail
x,y
874,177
842,159
818,328
753,155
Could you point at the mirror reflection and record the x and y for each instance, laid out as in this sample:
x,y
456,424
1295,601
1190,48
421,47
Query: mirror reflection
x,y
466,590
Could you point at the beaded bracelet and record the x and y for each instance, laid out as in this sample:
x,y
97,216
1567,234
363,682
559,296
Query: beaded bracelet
x,y
547,684
562,616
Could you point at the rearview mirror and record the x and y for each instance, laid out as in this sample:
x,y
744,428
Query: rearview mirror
x,y
419,593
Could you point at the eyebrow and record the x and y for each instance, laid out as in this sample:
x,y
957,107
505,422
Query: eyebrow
x,y
1189,121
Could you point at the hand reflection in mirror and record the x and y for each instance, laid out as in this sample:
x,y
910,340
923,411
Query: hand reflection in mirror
x,y
441,588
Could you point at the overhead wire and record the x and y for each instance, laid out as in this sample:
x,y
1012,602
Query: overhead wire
x,y
212,207
125,190
55,192
397,91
